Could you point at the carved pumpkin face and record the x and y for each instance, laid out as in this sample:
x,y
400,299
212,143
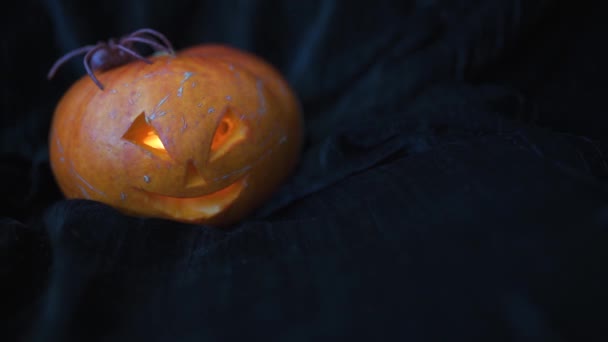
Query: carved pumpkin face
x,y
204,136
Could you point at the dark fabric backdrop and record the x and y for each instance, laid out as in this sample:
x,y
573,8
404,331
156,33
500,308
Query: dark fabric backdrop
x,y
452,185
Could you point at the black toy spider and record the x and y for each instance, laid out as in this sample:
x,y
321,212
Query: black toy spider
x,y
106,55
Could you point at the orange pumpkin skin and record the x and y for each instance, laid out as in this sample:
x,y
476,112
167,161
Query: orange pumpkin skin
x,y
205,136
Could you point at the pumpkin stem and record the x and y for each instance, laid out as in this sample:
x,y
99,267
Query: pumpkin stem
x,y
107,55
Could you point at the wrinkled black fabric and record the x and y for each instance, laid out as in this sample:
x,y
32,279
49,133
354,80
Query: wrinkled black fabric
x,y
452,184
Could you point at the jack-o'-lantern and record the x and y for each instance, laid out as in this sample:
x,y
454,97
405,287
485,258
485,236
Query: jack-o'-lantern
x,y
203,136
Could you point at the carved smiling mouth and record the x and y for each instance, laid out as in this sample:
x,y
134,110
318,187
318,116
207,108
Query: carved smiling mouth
x,y
197,208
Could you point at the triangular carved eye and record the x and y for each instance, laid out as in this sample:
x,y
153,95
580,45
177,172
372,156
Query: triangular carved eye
x,y
153,140
230,131
142,134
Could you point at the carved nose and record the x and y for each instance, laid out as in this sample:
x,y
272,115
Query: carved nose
x,y
193,177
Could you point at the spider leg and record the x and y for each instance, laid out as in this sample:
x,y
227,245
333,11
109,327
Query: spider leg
x,y
133,53
150,42
161,37
68,56
87,65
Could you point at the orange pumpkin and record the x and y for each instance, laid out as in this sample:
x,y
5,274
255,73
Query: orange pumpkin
x,y
202,136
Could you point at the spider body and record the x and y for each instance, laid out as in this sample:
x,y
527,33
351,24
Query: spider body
x,y
107,55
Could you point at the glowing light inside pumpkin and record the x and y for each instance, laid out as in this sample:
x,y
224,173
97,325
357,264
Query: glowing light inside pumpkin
x,y
193,177
222,133
196,208
230,131
153,140
143,134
